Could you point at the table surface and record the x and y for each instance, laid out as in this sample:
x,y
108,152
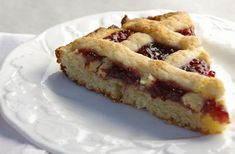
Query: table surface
x,y
27,16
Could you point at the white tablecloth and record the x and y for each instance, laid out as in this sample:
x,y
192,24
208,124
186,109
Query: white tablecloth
x,y
12,142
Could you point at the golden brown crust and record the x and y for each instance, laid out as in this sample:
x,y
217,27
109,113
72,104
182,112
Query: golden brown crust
x,y
58,52
137,40
174,20
182,57
103,32
164,16
162,34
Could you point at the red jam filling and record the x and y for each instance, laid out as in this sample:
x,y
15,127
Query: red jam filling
x,y
187,32
89,55
200,66
161,89
156,50
166,90
216,111
127,75
120,36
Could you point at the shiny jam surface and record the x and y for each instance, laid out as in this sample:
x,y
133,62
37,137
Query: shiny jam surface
x,y
200,66
127,75
89,55
166,90
120,36
216,111
187,32
156,50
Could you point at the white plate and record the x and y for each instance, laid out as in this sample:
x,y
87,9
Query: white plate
x,y
61,117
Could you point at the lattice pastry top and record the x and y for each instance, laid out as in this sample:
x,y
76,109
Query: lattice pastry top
x,y
163,48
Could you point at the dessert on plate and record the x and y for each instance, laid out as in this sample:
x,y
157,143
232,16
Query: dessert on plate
x,y
155,63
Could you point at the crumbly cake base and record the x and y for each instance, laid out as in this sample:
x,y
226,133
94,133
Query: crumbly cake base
x,y
73,65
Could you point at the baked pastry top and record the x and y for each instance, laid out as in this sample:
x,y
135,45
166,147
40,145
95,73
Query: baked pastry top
x,y
158,55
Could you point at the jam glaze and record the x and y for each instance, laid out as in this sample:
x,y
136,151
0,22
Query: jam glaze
x,y
187,32
120,35
166,90
90,55
216,111
126,75
200,66
156,50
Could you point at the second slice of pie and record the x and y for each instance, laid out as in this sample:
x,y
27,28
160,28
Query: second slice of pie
x,y
154,63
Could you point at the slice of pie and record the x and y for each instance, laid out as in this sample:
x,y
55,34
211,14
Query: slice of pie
x,y
155,63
